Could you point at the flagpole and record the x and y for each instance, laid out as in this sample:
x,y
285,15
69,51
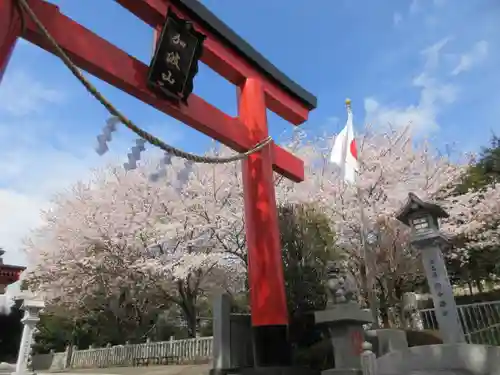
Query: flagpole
x,y
345,144
369,261
367,253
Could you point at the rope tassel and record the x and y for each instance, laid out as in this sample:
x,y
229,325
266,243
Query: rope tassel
x,y
183,175
105,136
162,169
135,155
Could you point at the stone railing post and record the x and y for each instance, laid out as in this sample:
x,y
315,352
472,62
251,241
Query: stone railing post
x,y
170,350
67,354
197,347
368,360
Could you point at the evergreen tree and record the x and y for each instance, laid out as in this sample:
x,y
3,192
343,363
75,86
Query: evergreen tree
x,y
483,263
10,334
308,242
486,170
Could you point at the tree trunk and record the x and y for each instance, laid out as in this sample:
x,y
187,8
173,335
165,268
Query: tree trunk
x,y
192,326
364,285
469,284
189,311
384,314
187,304
479,285
384,311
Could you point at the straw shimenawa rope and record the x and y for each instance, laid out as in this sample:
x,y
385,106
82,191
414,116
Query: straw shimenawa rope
x,y
23,5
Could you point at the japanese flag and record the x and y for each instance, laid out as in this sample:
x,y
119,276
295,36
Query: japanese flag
x,y
344,151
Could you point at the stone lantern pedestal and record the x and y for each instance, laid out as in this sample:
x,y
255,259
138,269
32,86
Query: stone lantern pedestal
x,y
344,319
345,325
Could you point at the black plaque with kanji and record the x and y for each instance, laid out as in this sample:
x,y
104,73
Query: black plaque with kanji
x,y
175,62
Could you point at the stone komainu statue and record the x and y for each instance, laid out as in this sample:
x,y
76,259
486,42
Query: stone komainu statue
x,y
341,286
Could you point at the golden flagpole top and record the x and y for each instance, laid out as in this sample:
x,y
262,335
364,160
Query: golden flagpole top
x,y
348,103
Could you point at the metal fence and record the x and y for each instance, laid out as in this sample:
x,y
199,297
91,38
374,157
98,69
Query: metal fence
x,y
480,322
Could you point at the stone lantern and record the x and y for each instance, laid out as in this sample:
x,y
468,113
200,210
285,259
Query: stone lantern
x,y
32,307
422,218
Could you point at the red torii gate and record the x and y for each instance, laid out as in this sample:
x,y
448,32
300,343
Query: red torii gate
x,y
259,84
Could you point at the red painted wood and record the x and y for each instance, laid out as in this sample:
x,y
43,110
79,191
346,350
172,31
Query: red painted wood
x,y
223,60
10,30
265,266
10,274
107,62
357,342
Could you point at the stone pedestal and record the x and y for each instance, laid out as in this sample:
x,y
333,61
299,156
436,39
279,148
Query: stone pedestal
x,y
232,335
221,350
279,371
32,308
387,340
342,371
233,351
6,368
345,323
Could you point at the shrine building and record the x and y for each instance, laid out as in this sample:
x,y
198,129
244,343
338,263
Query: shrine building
x,y
8,274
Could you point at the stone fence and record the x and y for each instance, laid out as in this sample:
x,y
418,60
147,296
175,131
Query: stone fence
x,y
196,350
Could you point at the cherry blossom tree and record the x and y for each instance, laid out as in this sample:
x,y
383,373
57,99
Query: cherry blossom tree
x,y
135,246
392,164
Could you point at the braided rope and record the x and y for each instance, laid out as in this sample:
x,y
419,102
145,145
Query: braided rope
x,y
128,123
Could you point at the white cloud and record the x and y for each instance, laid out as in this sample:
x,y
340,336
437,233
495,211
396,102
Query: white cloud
x,y
432,53
415,6
34,176
418,117
35,166
434,94
439,3
22,95
397,18
333,120
33,171
475,56
19,212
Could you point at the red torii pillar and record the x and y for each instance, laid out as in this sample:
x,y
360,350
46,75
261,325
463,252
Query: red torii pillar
x,y
260,85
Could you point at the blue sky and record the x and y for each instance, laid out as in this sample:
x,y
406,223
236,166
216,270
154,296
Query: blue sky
x,y
431,62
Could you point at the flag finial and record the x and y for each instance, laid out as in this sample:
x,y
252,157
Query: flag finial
x,y
348,103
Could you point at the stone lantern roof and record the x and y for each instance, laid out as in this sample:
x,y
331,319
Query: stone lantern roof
x,y
414,204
